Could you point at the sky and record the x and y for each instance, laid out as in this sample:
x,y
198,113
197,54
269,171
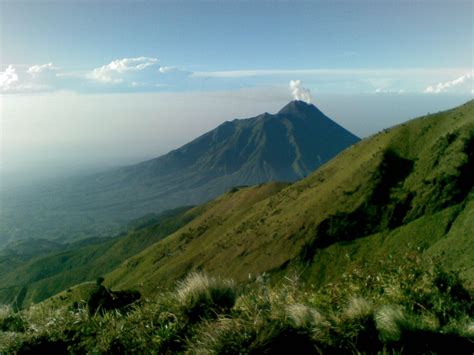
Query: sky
x,y
103,83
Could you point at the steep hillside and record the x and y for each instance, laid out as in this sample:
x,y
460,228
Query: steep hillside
x,y
407,189
285,146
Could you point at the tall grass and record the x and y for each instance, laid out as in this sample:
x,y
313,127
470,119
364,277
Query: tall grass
x,y
404,310
202,296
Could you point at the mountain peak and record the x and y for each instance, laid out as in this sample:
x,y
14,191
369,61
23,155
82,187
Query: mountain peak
x,y
296,107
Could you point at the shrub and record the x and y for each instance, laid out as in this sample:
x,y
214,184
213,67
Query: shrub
x,y
13,323
102,299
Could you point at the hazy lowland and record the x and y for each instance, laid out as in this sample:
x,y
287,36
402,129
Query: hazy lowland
x,y
278,233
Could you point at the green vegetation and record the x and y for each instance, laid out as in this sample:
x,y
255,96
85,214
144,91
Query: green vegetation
x,y
417,309
41,276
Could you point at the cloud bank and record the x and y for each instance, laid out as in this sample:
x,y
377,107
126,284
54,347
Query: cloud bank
x,y
148,74
448,85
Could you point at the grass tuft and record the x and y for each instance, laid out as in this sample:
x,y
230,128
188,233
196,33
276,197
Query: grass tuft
x,y
358,308
390,320
202,296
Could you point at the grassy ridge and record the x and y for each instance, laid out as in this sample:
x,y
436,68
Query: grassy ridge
x,y
411,183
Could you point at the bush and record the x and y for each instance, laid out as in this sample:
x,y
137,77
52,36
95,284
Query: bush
x,y
13,323
201,296
102,299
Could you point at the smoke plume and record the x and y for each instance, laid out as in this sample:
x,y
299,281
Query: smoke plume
x,y
299,92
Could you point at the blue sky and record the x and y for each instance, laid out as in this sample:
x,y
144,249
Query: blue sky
x,y
333,46
106,82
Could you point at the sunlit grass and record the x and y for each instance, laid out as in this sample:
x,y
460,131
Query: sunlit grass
x,y
208,315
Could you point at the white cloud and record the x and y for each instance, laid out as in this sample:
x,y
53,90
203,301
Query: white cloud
x,y
37,69
112,72
447,85
37,78
165,70
299,92
8,78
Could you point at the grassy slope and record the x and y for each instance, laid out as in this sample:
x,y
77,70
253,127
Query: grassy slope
x,y
50,274
403,189
196,242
